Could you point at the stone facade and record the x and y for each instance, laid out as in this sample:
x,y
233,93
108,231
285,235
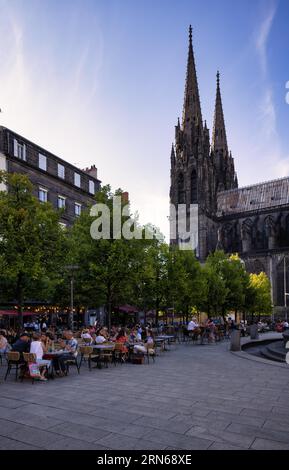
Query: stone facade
x,y
252,221
19,155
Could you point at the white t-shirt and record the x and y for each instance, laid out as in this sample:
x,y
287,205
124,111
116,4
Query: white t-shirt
x,y
86,336
192,325
36,348
100,339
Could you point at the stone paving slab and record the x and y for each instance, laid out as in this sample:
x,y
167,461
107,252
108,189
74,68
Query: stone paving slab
x,y
190,398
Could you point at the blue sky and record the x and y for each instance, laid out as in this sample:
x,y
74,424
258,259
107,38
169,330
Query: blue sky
x,y
102,81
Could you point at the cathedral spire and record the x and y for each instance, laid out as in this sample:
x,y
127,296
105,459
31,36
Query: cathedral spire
x,y
192,108
219,138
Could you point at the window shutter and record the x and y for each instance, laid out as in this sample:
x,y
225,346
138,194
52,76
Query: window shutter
x,y
15,148
24,152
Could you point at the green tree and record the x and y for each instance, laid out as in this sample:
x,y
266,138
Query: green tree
x,y
260,294
32,243
187,287
228,284
107,267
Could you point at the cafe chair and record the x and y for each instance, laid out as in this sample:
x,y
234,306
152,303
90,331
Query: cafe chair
x,y
13,362
72,361
86,354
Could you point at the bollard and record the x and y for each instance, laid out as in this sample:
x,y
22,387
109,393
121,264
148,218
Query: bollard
x,y
235,340
254,332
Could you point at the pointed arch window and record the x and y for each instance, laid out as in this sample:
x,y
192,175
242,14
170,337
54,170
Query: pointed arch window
x,y
181,189
194,187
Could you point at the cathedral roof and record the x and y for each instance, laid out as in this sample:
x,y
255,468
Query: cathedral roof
x,y
254,198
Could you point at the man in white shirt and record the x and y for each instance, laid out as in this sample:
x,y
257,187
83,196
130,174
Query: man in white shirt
x,y
192,325
100,339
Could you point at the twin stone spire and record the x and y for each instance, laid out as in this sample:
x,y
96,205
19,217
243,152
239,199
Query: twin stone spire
x,y
200,168
192,113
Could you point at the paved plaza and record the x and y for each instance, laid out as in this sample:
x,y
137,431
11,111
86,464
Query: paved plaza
x,y
193,397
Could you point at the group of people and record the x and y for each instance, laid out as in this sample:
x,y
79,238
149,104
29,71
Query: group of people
x,y
141,338
39,344
200,329
42,343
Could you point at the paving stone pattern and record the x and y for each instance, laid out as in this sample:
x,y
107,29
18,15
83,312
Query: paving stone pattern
x,y
192,397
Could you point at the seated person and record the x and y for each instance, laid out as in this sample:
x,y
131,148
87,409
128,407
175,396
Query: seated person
x,y
147,346
122,339
85,335
4,345
36,348
46,342
104,332
22,344
192,325
133,335
100,338
69,348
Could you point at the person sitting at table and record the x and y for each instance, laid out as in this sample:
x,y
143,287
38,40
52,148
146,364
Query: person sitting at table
x,y
122,339
45,341
69,348
133,335
86,336
37,348
22,344
104,332
4,345
100,338
192,325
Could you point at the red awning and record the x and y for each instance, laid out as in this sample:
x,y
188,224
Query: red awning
x,y
14,313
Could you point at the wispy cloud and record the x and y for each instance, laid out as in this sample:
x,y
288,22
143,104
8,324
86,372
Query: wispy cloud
x,y
269,145
263,35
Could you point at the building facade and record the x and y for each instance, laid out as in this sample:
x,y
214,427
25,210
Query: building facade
x,y
56,181
252,221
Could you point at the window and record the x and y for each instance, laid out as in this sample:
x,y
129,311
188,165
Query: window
x,y
77,180
42,162
194,187
91,187
61,202
181,189
77,209
61,171
42,194
19,150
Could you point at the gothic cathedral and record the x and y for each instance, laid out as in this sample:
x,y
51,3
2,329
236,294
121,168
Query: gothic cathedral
x,y
253,220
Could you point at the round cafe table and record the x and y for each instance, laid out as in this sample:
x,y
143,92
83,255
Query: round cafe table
x,y
49,356
165,339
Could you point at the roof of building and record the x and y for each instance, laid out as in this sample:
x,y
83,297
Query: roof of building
x,y
31,144
259,196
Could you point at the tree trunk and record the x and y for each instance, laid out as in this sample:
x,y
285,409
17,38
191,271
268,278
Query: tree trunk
x,y
19,297
109,309
157,311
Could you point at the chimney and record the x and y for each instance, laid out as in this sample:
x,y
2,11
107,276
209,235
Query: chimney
x,y
125,197
92,171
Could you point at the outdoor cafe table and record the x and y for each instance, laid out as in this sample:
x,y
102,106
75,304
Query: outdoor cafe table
x,y
49,356
165,339
102,347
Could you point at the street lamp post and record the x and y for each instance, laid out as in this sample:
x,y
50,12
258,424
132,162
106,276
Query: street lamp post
x,y
285,289
72,269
